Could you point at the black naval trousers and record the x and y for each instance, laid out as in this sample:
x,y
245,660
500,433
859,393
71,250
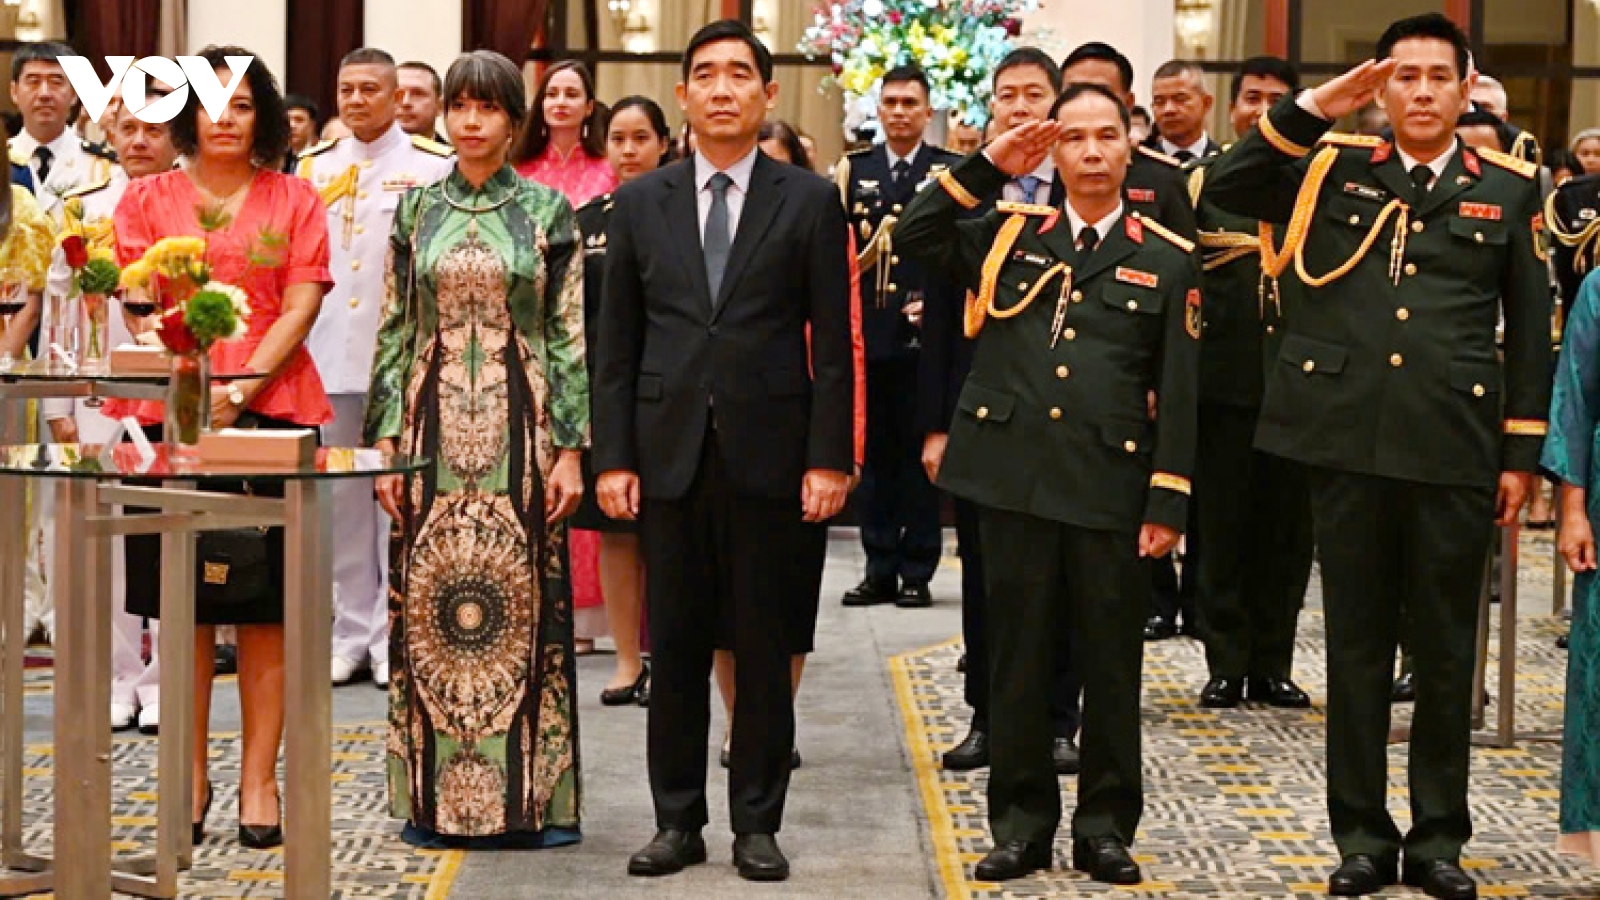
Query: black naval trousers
x,y
1395,555
975,634
1044,579
1255,561
899,506
1172,597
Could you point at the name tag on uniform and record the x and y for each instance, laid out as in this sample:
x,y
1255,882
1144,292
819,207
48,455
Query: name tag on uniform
x,y
1142,195
1030,258
1364,190
1134,276
400,183
1487,211
867,187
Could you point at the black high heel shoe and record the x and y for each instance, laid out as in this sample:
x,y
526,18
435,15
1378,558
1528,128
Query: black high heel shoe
x,y
627,696
262,837
199,834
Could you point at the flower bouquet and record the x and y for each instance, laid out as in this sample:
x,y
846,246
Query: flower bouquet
x,y
95,276
195,313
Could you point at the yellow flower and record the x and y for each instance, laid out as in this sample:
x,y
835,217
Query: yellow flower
x,y
137,274
105,253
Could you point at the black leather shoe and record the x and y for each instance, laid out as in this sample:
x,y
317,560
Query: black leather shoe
x,y
1105,859
1012,860
1561,642
914,596
1222,692
961,664
629,695
261,837
199,833
668,853
1065,754
971,753
870,593
1440,878
1159,628
758,858
1360,874
1404,690
1274,691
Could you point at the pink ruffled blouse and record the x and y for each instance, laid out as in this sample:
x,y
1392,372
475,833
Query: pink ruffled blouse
x,y
577,175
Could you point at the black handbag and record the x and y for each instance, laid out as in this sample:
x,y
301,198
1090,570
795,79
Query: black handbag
x,y
231,567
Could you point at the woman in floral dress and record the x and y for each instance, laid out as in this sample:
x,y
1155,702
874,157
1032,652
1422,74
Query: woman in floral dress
x,y
480,368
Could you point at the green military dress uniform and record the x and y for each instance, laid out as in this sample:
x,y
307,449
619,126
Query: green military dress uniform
x,y
1252,507
1053,440
1389,388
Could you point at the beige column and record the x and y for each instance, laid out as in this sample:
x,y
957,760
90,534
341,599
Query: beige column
x,y
424,30
1141,29
260,26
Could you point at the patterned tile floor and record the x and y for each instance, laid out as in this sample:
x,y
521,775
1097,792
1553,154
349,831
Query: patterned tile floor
x,y
369,862
1234,798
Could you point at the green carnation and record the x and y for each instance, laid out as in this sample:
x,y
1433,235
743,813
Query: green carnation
x,y
211,316
99,276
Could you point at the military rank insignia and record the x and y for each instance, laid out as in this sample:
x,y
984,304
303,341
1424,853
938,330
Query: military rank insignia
x,y
1191,313
1488,212
1134,276
1141,195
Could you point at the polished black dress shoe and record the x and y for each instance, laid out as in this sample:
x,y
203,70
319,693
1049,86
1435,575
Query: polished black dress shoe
x,y
971,753
642,697
870,593
758,858
1404,690
629,695
914,596
1105,859
1440,878
1360,874
199,826
1012,860
1159,628
1561,642
1064,752
1274,691
1222,692
668,853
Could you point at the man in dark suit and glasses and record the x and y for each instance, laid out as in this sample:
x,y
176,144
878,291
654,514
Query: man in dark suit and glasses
x,y
721,431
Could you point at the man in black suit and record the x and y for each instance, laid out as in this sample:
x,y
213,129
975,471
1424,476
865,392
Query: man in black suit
x,y
719,431
1181,103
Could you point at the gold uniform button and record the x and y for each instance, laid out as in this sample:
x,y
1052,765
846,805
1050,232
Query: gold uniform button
x,y
894,260
1071,334
1272,329
1355,220
893,288
1416,227
1062,371
1479,390
361,229
355,265
1308,366
1133,304
1023,286
1055,412
1130,446
898,207
355,303
361,195
983,412
1411,268
1077,296
1402,314
1396,360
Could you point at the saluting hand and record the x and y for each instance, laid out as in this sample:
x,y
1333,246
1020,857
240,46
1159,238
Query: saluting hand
x,y
1354,89
1022,149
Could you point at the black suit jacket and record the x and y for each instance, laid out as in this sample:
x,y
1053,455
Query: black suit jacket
x,y
668,358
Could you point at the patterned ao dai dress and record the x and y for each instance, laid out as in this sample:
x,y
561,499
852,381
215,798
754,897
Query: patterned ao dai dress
x,y
480,368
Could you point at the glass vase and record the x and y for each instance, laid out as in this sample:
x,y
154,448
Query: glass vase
x,y
188,407
95,352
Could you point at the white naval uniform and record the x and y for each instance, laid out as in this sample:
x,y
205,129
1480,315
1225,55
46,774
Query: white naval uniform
x,y
362,184
73,165
133,682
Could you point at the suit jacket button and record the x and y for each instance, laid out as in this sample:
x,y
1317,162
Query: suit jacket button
x,y
1130,446
1272,329
1355,220
1055,412
1308,366
894,260
898,207
1023,286
1477,236
893,288
983,412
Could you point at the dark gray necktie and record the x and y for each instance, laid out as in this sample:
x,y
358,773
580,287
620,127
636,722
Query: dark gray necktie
x,y
45,157
901,170
717,240
1422,177
1088,239
1183,156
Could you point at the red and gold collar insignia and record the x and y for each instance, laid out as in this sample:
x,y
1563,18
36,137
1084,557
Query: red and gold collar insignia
x,y
1469,161
1382,152
1133,228
1490,212
1142,195
1134,276
1049,222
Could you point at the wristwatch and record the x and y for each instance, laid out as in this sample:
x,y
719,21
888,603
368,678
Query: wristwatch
x,y
235,396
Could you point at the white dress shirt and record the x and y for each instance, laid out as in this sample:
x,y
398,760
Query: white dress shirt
x,y
740,173
1102,227
71,167
1196,150
1046,173
910,158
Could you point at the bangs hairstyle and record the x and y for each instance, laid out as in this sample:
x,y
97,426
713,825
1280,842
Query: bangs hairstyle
x,y
1074,91
535,135
1433,26
1273,67
487,77
269,141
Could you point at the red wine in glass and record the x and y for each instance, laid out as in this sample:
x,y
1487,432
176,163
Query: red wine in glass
x,y
140,307
10,304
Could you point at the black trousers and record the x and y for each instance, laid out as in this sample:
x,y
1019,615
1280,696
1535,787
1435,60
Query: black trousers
x,y
899,507
1255,561
1173,598
1065,685
1046,578
1399,555
711,556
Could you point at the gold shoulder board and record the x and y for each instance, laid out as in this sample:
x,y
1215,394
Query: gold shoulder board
x,y
1176,240
18,158
1026,209
1340,139
1509,163
315,149
429,145
87,187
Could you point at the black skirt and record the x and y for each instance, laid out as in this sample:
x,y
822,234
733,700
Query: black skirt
x,y
143,553
589,516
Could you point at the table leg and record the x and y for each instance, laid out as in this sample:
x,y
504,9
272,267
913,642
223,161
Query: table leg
x,y
83,697
308,661
13,649
176,751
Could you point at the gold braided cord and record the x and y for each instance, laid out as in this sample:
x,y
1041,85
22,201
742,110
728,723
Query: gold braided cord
x,y
1229,246
957,191
992,264
1305,206
341,187
1027,300
1277,140
880,243
972,316
1397,247
1585,242
1216,261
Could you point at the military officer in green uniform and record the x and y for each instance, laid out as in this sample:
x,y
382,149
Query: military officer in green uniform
x,y
1252,506
1081,312
1416,437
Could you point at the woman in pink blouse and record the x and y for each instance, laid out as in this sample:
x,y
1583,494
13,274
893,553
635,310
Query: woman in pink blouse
x,y
563,144
272,242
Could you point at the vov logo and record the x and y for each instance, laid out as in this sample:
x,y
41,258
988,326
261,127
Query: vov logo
x,y
184,73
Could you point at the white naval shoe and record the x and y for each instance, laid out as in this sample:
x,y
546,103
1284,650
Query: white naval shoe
x,y
347,671
150,719
380,675
123,715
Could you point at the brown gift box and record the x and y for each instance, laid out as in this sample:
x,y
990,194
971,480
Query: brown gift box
x,y
248,446
137,359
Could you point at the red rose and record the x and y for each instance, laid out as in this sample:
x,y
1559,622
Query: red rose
x,y
1013,27
175,334
895,16
76,251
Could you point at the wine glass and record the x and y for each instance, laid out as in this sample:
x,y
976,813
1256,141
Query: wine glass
x,y
13,300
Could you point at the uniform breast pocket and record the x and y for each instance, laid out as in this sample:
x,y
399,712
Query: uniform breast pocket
x,y
1136,300
1351,211
986,405
1479,232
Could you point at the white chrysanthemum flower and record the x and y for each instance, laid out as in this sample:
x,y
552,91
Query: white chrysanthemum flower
x,y
241,307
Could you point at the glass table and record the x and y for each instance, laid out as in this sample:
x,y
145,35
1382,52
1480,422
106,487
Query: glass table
x,y
90,494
